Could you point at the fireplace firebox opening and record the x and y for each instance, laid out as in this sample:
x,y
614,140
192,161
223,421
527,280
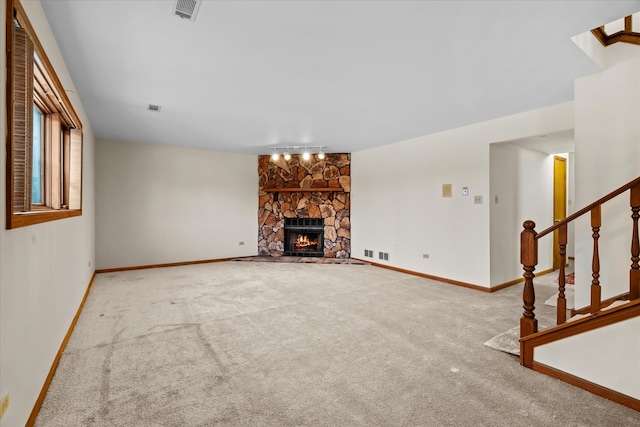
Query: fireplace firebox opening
x,y
304,237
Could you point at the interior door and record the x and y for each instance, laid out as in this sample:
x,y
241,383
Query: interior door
x,y
559,202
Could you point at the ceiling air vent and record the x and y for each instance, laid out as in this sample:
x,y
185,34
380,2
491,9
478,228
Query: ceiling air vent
x,y
186,9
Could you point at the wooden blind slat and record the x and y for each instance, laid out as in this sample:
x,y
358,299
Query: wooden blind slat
x,y
22,75
56,155
75,170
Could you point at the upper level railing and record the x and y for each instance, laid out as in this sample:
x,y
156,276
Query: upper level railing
x,y
529,258
625,35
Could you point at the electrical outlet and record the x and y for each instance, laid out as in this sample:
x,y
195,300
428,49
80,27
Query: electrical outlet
x,y
477,200
4,404
241,243
425,256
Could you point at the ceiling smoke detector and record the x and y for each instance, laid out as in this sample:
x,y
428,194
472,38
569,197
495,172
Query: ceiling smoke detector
x,y
186,9
154,108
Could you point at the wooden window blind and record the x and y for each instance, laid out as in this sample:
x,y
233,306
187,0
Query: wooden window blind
x,y
22,76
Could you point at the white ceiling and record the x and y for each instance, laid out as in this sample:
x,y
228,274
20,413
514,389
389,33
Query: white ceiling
x,y
348,75
555,143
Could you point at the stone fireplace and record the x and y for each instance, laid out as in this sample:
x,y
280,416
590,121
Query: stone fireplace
x,y
304,206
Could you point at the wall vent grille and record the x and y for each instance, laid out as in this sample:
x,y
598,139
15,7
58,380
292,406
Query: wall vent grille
x,y
186,9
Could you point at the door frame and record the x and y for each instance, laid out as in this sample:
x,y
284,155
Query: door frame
x,y
559,202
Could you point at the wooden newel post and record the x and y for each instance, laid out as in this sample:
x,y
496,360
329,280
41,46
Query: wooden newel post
x,y
529,260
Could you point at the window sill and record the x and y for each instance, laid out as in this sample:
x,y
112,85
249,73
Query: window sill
x,y
37,217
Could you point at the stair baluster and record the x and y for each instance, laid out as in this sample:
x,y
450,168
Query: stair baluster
x,y
634,273
596,223
561,315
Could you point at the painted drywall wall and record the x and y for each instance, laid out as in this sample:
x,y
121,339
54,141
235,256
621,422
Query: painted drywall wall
x,y
608,155
45,268
521,182
160,204
397,203
612,362
571,203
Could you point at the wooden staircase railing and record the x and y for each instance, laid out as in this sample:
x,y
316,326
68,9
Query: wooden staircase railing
x,y
529,259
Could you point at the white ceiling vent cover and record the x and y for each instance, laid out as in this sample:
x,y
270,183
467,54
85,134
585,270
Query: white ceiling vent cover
x,y
186,9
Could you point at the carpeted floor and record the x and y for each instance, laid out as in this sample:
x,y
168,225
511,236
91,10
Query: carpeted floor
x,y
546,286
280,344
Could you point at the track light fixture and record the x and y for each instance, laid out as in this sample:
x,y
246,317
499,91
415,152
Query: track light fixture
x,y
305,150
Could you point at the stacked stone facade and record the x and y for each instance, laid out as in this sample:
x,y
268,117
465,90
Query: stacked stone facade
x,y
333,172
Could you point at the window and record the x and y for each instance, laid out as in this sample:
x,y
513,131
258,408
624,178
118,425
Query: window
x,y
37,172
44,144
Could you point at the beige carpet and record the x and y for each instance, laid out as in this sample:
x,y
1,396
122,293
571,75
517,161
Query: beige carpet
x,y
277,344
546,288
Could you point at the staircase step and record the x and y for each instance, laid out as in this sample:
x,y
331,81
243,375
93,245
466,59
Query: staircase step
x,y
614,304
578,317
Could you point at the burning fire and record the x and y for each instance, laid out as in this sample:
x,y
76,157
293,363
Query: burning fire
x,y
303,242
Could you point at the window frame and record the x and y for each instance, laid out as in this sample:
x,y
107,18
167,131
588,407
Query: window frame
x,y
45,212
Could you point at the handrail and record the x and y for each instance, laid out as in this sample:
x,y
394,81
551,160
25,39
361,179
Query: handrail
x,y
588,208
529,258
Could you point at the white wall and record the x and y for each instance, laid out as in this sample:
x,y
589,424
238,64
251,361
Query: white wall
x,y
571,203
607,156
607,356
44,268
160,204
522,180
396,196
